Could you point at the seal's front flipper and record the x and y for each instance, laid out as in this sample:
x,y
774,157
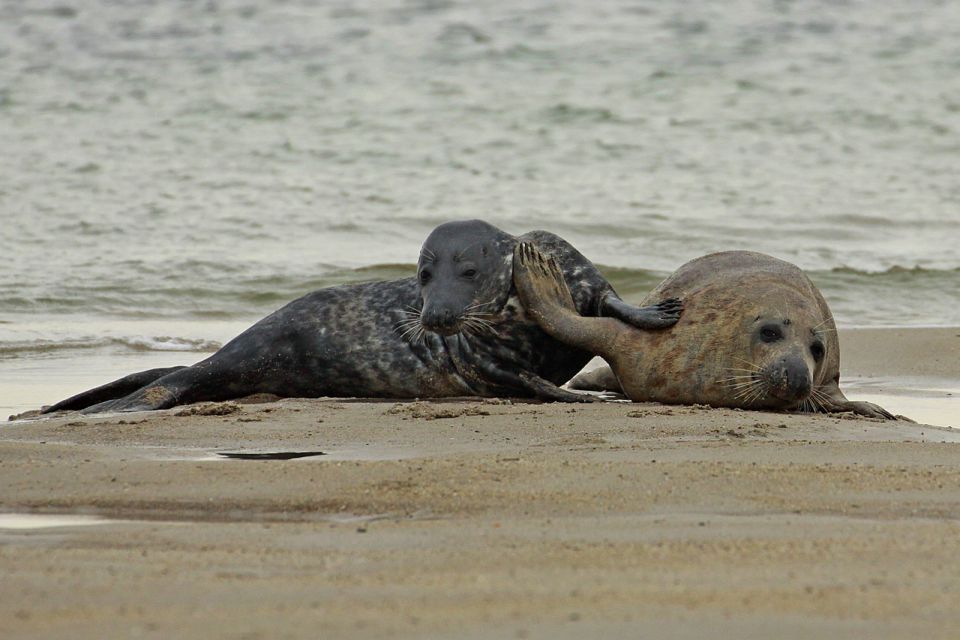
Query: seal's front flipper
x,y
833,401
870,410
111,390
546,297
540,279
537,386
658,316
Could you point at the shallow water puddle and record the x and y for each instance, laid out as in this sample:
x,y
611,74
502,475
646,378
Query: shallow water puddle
x,y
29,521
925,400
366,453
276,455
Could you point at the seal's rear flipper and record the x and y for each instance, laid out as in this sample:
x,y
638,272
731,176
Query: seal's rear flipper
x,y
657,316
546,390
111,390
149,398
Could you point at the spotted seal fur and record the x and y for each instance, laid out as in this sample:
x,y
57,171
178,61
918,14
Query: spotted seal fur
x,y
456,329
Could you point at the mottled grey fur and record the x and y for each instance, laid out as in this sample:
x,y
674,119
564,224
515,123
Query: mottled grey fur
x,y
452,336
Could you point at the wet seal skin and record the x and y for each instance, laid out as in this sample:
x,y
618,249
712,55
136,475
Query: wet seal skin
x,y
456,329
755,334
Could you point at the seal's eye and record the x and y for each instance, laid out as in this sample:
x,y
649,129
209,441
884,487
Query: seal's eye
x,y
771,333
425,276
817,350
469,273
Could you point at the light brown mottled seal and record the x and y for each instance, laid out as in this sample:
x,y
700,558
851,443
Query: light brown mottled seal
x,y
755,334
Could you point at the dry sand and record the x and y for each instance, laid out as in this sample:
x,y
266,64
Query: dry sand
x,y
472,519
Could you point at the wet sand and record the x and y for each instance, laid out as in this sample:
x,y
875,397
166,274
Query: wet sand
x,y
476,519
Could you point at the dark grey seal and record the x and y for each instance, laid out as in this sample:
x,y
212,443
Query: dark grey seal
x,y
456,329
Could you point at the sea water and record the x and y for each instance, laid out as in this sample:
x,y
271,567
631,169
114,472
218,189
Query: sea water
x,y
174,171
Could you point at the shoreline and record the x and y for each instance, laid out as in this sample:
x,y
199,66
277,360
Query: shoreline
x,y
921,365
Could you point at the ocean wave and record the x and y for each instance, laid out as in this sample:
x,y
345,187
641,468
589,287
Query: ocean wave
x,y
231,296
898,270
133,343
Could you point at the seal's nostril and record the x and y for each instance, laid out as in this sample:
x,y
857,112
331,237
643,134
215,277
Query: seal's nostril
x,y
797,378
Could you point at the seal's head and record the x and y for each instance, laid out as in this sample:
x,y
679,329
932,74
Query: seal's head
x,y
787,357
465,273
755,334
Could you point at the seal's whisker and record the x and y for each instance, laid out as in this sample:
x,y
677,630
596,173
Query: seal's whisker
x,y
816,406
823,322
472,323
477,328
741,392
410,331
753,366
821,398
478,316
420,337
479,321
755,393
404,326
459,253
405,331
740,395
738,380
759,391
749,390
739,385
480,305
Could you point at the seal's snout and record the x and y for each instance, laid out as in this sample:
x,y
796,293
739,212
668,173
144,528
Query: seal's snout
x,y
791,379
443,321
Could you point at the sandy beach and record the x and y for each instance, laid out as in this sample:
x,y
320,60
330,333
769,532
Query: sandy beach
x,y
491,519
